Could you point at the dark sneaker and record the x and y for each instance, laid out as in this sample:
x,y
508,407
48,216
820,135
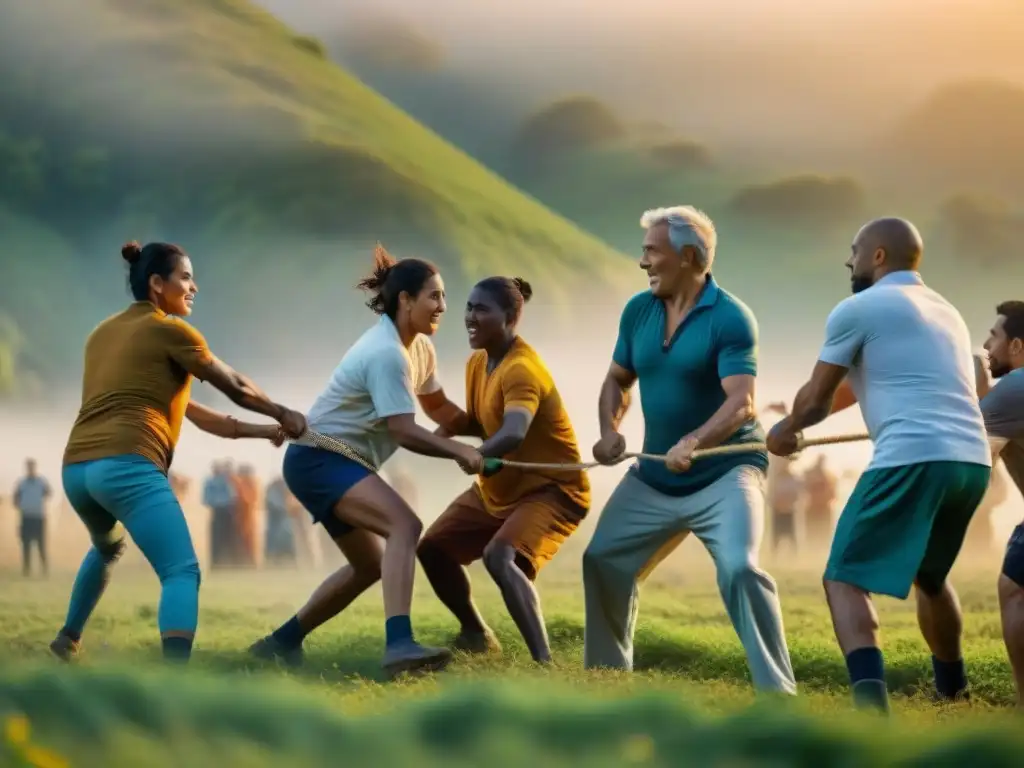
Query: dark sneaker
x,y
64,648
413,657
477,642
269,649
960,697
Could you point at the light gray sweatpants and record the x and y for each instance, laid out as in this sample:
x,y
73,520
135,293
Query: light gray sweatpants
x,y
639,527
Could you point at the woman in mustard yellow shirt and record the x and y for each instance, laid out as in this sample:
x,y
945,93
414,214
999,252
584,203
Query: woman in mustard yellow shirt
x,y
516,519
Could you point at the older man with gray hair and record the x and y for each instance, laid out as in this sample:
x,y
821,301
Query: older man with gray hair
x,y
693,348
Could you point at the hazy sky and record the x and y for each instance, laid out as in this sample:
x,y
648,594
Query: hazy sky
x,y
831,70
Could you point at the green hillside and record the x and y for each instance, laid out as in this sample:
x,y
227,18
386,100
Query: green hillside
x,y
210,123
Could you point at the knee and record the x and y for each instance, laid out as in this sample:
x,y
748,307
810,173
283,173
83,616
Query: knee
x,y
427,550
738,569
595,560
110,552
498,557
407,527
929,585
1010,592
184,571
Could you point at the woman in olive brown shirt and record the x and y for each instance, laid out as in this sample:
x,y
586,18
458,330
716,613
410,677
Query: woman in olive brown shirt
x,y
139,366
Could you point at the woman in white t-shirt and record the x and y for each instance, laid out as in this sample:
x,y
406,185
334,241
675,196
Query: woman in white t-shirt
x,y
369,404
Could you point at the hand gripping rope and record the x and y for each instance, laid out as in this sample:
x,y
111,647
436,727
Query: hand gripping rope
x,y
492,466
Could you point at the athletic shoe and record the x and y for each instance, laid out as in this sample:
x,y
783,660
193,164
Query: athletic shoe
x,y
64,648
961,697
410,656
269,649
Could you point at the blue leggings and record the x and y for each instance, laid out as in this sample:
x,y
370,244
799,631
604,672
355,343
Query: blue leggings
x,y
130,493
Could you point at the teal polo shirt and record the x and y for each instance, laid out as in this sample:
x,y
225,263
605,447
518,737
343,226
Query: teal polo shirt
x,y
681,382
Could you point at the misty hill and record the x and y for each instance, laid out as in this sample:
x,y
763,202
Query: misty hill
x,y
210,123
967,133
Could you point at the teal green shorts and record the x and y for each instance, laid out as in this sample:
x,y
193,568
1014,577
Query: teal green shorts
x,y
906,524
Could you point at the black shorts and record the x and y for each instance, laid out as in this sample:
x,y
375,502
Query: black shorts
x,y
33,529
784,525
1013,562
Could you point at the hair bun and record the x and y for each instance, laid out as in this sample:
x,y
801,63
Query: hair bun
x,y
525,289
131,252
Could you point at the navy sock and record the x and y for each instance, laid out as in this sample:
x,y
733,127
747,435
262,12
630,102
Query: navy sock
x,y
398,629
71,634
950,677
177,648
867,677
290,634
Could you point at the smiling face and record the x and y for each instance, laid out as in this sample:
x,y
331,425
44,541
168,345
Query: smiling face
x,y
665,267
1004,354
176,294
426,307
486,322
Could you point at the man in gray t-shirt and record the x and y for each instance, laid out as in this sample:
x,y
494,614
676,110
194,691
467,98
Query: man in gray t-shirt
x,y
1003,409
30,498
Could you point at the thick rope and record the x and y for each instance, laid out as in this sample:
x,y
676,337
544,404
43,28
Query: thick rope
x,y
492,465
335,446
721,450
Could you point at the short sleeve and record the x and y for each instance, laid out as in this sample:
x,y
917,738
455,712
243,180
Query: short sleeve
x,y
1003,408
431,381
389,383
187,347
737,345
623,354
473,380
844,335
521,388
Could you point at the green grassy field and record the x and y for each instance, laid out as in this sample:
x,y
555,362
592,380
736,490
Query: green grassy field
x,y
690,690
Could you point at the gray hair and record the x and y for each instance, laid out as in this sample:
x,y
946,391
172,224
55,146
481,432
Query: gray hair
x,y
686,226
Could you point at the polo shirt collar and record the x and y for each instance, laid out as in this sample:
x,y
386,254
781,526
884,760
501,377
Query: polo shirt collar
x,y
902,277
709,293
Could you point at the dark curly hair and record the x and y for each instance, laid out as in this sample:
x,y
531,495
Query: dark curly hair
x,y
391,277
511,293
145,261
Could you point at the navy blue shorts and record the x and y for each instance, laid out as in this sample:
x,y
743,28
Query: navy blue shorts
x,y
1013,562
319,480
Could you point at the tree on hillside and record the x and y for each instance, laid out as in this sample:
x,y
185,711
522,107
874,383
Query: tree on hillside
x,y
570,123
814,202
573,122
379,41
10,342
985,228
681,155
964,131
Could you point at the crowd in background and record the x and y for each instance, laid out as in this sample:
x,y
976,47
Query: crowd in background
x,y
249,525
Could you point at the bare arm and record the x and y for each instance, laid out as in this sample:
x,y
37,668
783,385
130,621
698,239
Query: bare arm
x,y
982,383
222,425
737,409
843,397
814,402
415,438
615,398
452,421
511,435
240,389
